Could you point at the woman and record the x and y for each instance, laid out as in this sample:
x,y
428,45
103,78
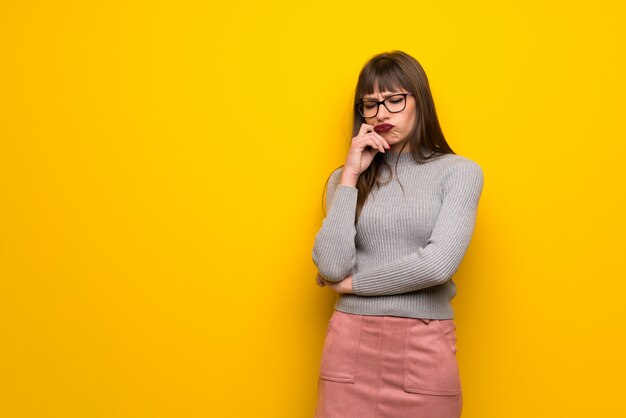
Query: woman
x,y
400,215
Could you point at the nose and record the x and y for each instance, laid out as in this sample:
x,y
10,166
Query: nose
x,y
383,113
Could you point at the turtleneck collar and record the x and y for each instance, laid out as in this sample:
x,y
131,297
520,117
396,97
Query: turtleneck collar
x,y
403,158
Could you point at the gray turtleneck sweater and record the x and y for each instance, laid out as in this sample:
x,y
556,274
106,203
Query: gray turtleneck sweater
x,y
406,245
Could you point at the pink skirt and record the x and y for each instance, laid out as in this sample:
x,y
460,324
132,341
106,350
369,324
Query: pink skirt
x,y
388,367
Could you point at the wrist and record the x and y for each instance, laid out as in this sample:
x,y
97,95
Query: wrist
x,y
348,179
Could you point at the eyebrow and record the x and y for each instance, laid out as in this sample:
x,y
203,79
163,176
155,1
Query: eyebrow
x,y
384,96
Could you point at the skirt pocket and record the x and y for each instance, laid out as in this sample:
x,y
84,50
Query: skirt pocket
x,y
430,365
341,347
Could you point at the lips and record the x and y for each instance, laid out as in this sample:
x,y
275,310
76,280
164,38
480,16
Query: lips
x,y
383,127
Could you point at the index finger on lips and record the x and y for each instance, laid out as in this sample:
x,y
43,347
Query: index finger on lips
x,y
365,128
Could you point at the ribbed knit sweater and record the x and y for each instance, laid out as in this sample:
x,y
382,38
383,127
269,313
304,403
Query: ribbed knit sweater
x,y
406,245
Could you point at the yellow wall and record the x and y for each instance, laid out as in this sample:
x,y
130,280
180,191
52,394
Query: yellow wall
x,y
162,170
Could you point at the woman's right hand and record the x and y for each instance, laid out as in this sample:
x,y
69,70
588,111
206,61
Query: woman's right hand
x,y
362,151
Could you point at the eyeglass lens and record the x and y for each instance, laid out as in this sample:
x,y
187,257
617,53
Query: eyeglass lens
x,y
393,104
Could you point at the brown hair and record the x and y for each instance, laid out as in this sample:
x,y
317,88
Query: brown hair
x,y
389,71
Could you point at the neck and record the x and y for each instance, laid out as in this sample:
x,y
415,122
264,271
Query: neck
x,y
405,157
395,148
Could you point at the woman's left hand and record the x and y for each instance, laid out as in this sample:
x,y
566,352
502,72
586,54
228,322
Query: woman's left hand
x,y
344,286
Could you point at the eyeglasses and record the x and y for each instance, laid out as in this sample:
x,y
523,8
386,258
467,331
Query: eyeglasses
x,y
394,104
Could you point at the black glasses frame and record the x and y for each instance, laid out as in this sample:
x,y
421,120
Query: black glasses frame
x,y
359,105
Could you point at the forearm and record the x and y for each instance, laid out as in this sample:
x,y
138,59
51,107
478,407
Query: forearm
x,y
348,179
334,251
428,266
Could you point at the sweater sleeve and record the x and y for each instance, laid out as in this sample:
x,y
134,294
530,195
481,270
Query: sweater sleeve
x,y
334,251
440,258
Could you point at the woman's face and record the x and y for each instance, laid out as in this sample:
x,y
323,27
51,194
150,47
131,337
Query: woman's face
x,y
402,121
